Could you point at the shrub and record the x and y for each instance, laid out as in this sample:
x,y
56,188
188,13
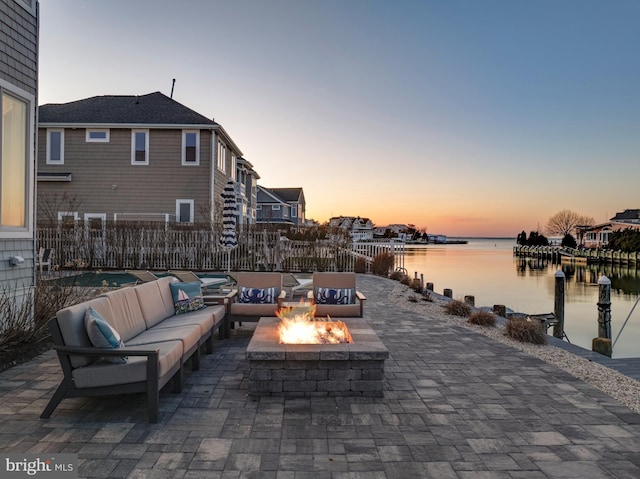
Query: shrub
x,y
24,321
397,275
483,318
382,264
360,265
416,285
458,308
526,331
406,280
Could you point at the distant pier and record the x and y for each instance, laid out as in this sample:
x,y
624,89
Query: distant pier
x,y
558,254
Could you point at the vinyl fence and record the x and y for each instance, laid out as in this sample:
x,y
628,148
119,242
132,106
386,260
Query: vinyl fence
x,y
158,248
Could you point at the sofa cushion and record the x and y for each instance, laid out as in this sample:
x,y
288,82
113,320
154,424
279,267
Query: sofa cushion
x,y
152,303
187,297
206,319
127,316
188,334
74,333
335,296
103,335
107,374
258,295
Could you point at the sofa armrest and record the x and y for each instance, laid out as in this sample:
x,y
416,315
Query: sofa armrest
x,y
91,351
360,296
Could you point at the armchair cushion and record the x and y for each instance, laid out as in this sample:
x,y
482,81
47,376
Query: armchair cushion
x,y
187,297
258,295
335,296
103,335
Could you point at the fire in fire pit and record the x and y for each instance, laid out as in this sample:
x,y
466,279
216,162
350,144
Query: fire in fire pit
x,y
298,325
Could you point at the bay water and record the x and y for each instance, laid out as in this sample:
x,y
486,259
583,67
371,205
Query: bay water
x,y
487,269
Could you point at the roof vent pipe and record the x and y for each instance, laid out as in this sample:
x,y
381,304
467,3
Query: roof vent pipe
x,y
173,83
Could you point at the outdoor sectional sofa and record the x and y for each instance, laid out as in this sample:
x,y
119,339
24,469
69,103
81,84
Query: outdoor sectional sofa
x,y
157,343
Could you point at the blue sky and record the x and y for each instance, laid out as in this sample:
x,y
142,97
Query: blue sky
x,y
463,117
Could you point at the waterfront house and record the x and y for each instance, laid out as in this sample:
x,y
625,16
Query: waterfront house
x,y
247,193
132,157
18,103
360,229
284,206
597,236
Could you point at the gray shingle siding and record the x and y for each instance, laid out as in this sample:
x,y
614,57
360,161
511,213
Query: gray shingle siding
x,y
18,67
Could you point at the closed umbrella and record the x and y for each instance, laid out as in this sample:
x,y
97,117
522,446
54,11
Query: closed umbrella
x,y
228,239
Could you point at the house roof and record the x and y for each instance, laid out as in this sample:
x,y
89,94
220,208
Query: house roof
x,y
627,215
282,195
153,108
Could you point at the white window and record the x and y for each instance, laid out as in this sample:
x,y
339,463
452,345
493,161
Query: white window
x,y
97,135
55,146
139,147
233,167
222,157
95,221
294,211
15,162
184,211
275,207
190,147
258,207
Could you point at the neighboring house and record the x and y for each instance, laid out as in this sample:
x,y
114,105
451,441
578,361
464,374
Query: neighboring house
x,y
247,192
598,236
18,104
143,158
281,205
360,229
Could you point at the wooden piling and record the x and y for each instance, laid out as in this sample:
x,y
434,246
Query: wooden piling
x,y
430,286
470,300
448,293
604,307
558,310
500,310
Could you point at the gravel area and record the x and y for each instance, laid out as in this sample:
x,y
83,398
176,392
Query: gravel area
x,y
618,386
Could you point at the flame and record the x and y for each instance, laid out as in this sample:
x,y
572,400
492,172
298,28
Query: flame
x,y
298,325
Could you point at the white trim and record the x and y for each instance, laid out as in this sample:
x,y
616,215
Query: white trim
x,y
133,146
91,216
49,161
184,148
88,131
31,7
63,214
191,210
221,160
30,100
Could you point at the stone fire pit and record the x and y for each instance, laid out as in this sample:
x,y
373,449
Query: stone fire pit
x,y
307,370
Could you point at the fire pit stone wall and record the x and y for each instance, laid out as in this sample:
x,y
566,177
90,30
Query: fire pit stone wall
x,y
307,370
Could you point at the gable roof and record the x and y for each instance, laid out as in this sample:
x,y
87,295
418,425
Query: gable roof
x,y
283,195
153,108
632,216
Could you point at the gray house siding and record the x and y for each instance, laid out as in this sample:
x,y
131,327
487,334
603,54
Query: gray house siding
x,y
19,77
105,181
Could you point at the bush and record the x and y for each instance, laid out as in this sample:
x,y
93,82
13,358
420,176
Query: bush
x,y
416,285
360,265
483,318
24,331
397,275
382,264
458,308
526,331
406,280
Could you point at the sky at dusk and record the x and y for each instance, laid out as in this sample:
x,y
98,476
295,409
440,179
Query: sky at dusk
x,y
464,117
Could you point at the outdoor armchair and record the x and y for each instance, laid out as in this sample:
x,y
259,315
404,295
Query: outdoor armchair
x,y
257,295
141,276
190,276
335,294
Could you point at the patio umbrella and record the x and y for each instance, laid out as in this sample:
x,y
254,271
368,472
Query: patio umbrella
x,y
228,239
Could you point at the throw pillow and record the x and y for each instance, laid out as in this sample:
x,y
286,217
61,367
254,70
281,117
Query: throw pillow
x,y
103,335
335,296
187,297
258,296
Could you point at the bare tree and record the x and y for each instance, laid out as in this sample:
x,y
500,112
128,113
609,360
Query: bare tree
x,y
565,222
50,204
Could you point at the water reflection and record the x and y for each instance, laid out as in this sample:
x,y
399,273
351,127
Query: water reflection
x,y
485,269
